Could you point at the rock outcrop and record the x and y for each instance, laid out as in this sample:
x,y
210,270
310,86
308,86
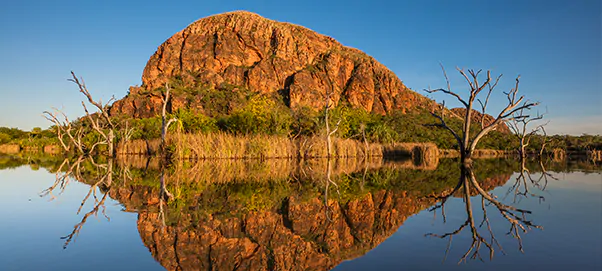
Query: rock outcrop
x,y
236,50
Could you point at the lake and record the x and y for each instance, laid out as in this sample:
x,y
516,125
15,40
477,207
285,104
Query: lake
x,y
135,213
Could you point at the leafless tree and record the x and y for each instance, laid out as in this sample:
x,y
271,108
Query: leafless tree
x,y
466,141
165,194
63,176
520,187
164,122
100,122
520,127
544,143
329,133
65,128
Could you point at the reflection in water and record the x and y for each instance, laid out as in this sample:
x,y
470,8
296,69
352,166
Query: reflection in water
x,y
306,215
241,214
101,180
482,234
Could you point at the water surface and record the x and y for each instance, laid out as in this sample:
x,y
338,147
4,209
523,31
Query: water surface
x,y
286,215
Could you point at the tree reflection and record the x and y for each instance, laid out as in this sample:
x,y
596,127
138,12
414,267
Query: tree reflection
x,y
482,235
86,170
100,178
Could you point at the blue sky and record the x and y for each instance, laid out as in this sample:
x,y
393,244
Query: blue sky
x,y
554,45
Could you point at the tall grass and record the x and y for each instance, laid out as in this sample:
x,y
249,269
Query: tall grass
x,y
139,147
220,145
228,146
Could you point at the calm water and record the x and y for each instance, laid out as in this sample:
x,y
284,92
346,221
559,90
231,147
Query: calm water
x,y
346,215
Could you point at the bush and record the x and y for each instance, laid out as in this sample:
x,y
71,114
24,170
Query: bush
x,y
306,121
4,138
262,114
195,123
382,133
146,128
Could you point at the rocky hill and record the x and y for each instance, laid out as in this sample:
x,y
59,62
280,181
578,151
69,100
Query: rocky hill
x,y
242,50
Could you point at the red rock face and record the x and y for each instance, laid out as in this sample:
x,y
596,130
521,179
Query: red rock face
x,y
265,56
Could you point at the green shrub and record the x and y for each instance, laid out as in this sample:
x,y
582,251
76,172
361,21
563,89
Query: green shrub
x,y
195,123
262,114
4,138
306,121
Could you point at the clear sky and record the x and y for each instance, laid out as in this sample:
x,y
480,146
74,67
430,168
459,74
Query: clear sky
x,y
554,45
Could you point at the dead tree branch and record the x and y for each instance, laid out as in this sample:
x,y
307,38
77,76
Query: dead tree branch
x,y
467,143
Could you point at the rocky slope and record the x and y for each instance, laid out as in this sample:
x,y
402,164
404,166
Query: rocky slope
x,y
237,50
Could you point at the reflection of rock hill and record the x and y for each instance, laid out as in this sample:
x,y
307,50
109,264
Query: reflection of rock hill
x,y
298,234
299,237
237,50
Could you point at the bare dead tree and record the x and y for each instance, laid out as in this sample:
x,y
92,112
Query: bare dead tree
x,y
127,132
515,109
165,194
466,141
64,127
486,101
329,133
544,143
62,178
519,127
478,241
164,122
59,128
101,122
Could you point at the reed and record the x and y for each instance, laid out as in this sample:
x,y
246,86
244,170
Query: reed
x,y
139,147
220,145
228,146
